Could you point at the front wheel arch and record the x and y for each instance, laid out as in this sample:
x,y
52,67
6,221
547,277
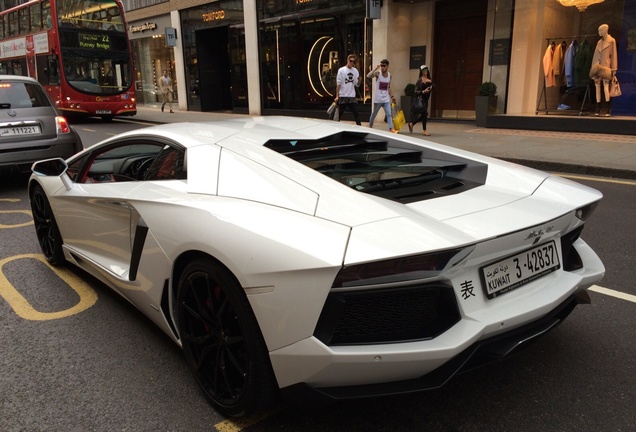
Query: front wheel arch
x,y
46,229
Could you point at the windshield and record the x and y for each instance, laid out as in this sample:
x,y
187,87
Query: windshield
x,y
94,46
92,14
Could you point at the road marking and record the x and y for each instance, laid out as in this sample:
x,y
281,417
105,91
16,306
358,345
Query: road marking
x,y
612,293
140,122
598,179
21,306
10,199
237,425
26,212
89,130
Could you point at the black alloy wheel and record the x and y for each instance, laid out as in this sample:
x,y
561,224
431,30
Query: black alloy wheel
x,y
46,228
221,340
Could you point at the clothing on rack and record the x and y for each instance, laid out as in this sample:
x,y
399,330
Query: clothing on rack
x,y
558,65
567,66
583,63
570,55
548,69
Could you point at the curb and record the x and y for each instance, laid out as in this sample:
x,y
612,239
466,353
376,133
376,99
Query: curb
x,y
594,171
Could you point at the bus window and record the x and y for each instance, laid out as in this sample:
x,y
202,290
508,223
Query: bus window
x,y
46,15
1,27
13,24
24,20
36,17
18,67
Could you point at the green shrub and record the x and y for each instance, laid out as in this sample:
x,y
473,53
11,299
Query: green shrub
x,y
409,89
488,89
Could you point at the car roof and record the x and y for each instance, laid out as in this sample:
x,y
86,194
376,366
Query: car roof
x,y
18,78
244,132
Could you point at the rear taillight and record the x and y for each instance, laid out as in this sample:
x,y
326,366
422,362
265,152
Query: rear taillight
x,y
394,270
62,125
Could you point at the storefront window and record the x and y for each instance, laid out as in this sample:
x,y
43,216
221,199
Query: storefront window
x,y
214,56
500,44
570,38
156,58
302,50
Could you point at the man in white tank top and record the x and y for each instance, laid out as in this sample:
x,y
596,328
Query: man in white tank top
x,y
382,94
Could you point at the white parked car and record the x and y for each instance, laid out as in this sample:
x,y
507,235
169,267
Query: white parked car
x,y
289,253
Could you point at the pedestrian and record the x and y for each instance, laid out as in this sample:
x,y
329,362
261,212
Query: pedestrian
x,y
347,79
423,88
166,88
382,94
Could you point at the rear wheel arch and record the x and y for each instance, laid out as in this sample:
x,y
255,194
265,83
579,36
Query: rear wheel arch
x,y
205,326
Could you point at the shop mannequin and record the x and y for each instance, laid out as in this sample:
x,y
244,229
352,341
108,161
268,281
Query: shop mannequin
x,y
604,66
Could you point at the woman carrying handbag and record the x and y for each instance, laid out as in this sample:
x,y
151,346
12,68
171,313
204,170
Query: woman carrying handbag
x,y
419,108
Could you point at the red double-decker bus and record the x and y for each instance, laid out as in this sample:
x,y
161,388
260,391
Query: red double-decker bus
x,y
78,50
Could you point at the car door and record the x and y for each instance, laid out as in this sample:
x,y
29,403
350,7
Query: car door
x,y
95,217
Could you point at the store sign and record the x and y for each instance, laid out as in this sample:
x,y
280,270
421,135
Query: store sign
x,y
143,27
171,36
499,52
94,41
213,16
417,56
373,9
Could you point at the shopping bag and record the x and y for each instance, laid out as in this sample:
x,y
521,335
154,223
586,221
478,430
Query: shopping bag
x,y
331,110
615,88
398,117
336,114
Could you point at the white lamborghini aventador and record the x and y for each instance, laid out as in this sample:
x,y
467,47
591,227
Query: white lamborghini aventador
x,y
298,254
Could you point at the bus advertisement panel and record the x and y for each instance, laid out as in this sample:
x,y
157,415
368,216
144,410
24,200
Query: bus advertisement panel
x,y
78,50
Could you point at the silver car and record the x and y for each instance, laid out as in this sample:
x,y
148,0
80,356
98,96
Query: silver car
x,y
31,127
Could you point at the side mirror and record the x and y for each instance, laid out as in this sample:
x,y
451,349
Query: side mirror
x,y
50,167
55,167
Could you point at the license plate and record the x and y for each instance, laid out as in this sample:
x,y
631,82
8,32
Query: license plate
x,y
103,112
518,270
20,130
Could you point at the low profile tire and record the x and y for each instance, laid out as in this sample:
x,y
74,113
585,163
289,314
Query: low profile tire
x,y
222,341
46,228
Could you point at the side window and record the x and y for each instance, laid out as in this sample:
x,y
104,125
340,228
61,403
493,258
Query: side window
x,y
75,167
25,27
122,162
13,24
46,15
36,17
168,165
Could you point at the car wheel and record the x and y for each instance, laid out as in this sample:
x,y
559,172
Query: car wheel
x,y
46,228
222,342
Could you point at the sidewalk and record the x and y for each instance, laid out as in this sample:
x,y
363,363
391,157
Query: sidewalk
x,y
571,152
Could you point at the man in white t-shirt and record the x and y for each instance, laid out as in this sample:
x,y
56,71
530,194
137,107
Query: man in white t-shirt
x,y
347,80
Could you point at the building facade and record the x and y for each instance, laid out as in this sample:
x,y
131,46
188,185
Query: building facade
x,y
281,56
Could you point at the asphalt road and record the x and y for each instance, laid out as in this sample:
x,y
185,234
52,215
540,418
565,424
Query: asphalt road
x,y
77,357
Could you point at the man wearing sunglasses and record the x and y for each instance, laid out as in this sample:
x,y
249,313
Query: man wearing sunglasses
x,y
347,80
